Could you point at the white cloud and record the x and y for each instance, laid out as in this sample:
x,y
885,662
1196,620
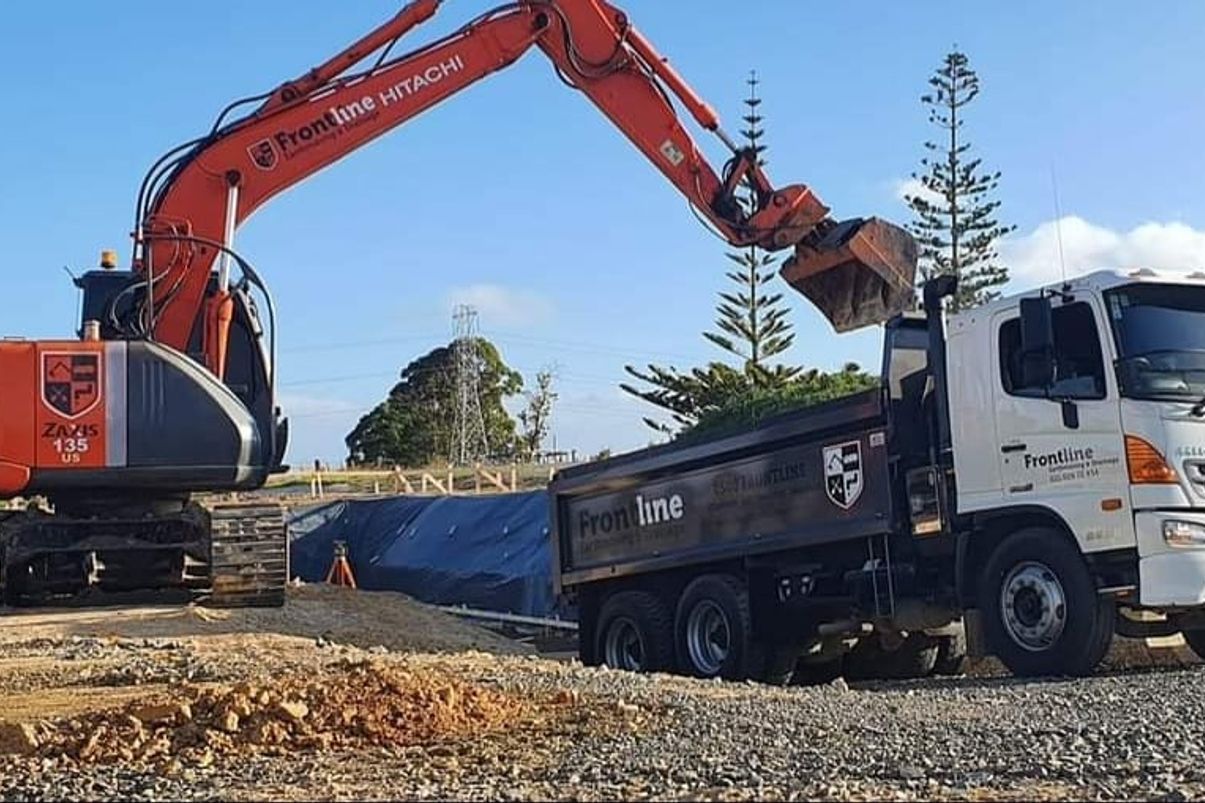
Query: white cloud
x,y
1034,258
504,306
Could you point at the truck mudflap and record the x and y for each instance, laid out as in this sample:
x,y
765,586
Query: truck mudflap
x,y
857,272
249,556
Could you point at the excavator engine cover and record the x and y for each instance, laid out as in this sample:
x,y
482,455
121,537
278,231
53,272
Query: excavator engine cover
x,y
857,272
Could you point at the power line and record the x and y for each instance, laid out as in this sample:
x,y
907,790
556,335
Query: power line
x,y
331,412
334,380
350,344
599,348
592,409
502,338
573,377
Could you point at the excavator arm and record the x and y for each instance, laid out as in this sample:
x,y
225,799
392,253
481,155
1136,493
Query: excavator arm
x,y
194,198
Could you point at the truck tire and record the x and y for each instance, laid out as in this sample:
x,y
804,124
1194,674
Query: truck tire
x,y
713,630
634,633
951,654
1041,613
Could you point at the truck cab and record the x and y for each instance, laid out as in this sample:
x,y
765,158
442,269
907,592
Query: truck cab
x,y
1078,410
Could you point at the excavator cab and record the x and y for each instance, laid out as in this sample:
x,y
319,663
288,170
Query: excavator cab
x,y
857,272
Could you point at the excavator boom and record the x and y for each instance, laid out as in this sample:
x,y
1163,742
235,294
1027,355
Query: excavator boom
x,y
194,202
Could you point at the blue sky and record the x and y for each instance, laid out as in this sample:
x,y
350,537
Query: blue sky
x,y
519,196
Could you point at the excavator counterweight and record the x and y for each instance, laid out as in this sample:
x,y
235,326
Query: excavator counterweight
x,y
858,272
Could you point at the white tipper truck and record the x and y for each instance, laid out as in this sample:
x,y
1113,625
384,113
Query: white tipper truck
x,y
1033,469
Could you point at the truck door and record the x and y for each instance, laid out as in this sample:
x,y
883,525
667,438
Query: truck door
x,y
1061,447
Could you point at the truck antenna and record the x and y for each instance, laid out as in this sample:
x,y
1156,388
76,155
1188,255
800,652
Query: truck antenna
x,y
1058,224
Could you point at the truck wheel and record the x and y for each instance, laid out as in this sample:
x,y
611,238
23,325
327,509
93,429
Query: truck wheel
x,y
951,654
1196,642
1041,612
714,627
634,633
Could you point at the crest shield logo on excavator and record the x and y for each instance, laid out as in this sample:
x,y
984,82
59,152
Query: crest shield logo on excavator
x,y
71,383
263,154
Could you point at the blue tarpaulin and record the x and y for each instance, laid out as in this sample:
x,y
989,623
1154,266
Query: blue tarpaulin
x,y
487,552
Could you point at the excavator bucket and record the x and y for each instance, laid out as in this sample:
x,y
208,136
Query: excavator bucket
x,y
857,272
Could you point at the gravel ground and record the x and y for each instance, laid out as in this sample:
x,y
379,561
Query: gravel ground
x,y
597,735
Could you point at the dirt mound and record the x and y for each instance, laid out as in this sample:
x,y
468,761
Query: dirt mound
x,y
356,705
364,619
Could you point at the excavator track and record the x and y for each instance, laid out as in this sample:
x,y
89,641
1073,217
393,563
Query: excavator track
x,y
249,563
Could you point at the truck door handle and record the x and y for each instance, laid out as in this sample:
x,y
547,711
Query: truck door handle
x,y
1013,447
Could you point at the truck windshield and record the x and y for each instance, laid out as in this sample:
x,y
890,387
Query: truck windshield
x,y
1160,335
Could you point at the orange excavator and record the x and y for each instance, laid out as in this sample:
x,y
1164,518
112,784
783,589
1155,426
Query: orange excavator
x,y
170,388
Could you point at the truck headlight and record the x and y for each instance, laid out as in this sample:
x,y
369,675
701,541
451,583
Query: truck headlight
x,y
1183,533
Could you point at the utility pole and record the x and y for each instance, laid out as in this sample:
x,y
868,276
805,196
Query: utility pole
x,y
469,442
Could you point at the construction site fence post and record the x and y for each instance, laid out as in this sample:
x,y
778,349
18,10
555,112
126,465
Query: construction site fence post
x,y
475,478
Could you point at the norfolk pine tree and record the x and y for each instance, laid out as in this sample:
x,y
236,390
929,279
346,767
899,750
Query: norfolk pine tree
x,y
955,226
752,324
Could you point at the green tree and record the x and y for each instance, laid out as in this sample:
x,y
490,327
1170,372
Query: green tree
x,y
688,395
809,388
751,321
414,425
955,225
536,416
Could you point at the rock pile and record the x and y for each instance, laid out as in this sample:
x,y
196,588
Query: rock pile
x,y
354,705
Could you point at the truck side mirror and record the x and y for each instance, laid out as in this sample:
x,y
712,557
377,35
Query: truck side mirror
x,y
1037,343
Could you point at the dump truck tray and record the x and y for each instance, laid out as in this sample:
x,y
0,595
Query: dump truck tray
x,y
796,480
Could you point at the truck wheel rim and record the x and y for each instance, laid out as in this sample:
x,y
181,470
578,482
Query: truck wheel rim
x,y
708,637
623,647
1034,606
